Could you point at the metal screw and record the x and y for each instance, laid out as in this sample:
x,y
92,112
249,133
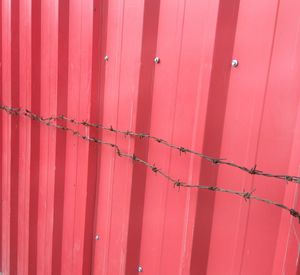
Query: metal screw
x,y
97,237
234,63
140,269
106,58
156,60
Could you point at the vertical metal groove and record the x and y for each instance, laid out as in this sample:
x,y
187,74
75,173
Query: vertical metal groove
x,y
60,161
1,141
223,48
15,131
144,109
35,133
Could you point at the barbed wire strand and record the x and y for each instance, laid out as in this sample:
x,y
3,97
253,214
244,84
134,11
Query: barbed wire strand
x,y
177,183
181,149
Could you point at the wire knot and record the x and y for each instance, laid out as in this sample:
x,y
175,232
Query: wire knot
x,y
182,150
247,195
118,151
177,183
212,188
253,170
215,161
295,214
154,169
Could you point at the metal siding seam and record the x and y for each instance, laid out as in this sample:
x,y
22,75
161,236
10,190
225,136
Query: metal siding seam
x,y
143,109
173,232
250,237
94,150
72,145
113,249
188,101
214,124
237,80
291,193
162,119
24,182
107,168
203,84
6,78
1,141
128,85
35,138
48,96
290,198
60,150
81,219
98,84
15,134
52,9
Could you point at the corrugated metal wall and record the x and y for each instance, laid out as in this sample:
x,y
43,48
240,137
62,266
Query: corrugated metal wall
x,y
60,192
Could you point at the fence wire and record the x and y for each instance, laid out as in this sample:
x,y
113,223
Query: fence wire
x,y
181,149
50,121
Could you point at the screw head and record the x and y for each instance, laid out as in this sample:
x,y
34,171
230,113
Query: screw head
x,y
106,58
140,268
156,60
234,63
97,237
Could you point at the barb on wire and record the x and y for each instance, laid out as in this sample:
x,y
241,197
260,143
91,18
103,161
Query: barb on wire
x,y
177,183
181,149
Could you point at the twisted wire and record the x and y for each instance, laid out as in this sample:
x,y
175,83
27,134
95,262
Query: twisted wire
x,y
176,183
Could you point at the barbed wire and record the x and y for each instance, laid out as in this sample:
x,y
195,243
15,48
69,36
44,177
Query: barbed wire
x,y
176,183
181,149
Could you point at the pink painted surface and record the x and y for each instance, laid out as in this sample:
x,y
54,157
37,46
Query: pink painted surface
x,y
59,192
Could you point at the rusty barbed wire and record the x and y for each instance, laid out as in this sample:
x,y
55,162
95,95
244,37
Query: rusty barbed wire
x,y
181,149
176,183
